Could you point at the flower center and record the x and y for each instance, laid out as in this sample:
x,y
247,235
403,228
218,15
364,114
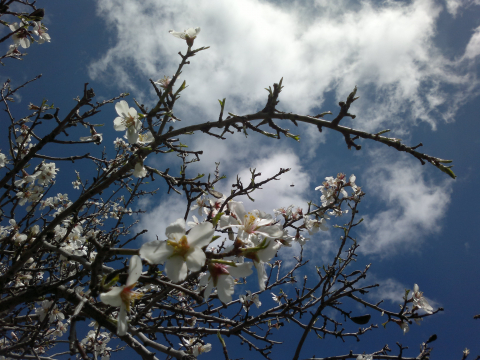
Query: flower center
x,y
129,121
127,295
250,223
180,247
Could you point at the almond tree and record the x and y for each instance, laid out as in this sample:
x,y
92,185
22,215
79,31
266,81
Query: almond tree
x,y
68,261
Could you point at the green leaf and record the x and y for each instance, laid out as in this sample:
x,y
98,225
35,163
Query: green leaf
x,y
444,161
294,137
447,170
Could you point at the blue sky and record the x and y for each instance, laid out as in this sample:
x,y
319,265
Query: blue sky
x,y
416,65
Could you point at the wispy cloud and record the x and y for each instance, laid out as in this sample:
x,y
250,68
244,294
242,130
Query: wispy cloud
x,y
413,207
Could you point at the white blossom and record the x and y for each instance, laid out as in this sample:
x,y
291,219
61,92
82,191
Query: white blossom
x,y
180,251
122,296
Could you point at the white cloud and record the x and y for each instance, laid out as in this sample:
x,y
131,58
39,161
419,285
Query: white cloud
x,y
319,46
414,207
393,291
454,6
473,47
158,217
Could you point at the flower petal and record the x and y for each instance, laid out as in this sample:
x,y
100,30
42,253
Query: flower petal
x,y
176,230
118,124
112,297
196,259
238,209
156,252
132,135
201,235
208,289
269,252
176,269
261,273
274,231
122,108
225,288
180,35
122,325
134,270
241,270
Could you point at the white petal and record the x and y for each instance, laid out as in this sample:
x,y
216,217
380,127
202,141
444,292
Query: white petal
x,y
241,270
112,297
204,280
270,231
238,209
176,269
122,108
176,230
269,252
156,252
227,220
191,33
225,288
416,288
196,259
179,35
262,274
118,124
208,289
133,113
134,270
201,235
122,325
132,135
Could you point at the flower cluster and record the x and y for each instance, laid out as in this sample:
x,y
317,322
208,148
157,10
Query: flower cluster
x,y
23,37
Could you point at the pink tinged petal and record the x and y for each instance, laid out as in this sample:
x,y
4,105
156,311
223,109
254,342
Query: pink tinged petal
x,y
118,124
156,252
201,235
241,270
196,259
176,269
112,297
134,270
122,325
122,108
176,230
225,288
262,274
